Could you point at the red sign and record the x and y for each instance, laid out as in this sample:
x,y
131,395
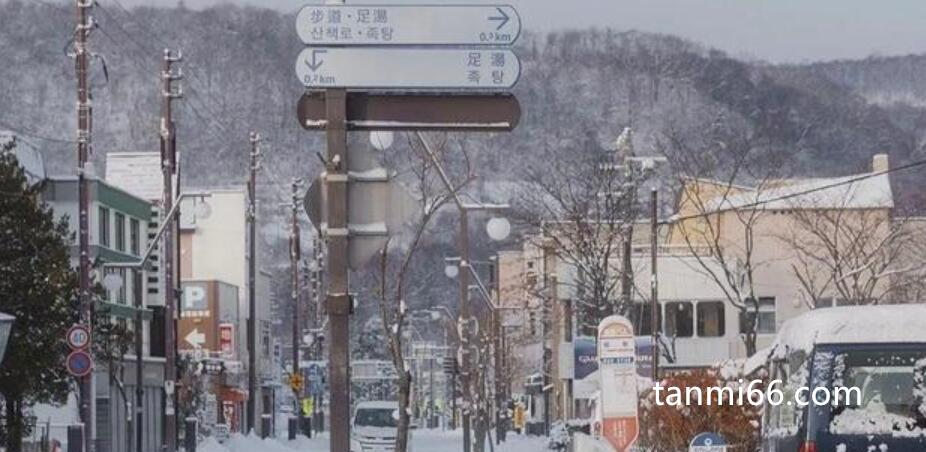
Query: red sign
x,y
621,432
617,370
79,363
227,339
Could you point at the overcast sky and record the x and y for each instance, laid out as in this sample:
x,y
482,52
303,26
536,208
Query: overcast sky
x,y
773,30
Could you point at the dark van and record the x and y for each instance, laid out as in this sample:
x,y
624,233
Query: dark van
x,y
863,369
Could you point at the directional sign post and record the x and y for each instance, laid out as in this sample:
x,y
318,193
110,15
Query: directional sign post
x,y
408,68
408,25
391,47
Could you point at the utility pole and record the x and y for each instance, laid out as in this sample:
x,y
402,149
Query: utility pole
x,y
169,170
84,130
254,163
317,350
549,303
294,256
498,332
317,277
138,326
654,280
338,298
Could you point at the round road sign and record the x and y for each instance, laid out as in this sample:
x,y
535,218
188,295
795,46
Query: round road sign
x,y
79,363
78,337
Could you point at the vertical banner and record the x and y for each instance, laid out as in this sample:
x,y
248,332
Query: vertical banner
x,y
227,339
617,370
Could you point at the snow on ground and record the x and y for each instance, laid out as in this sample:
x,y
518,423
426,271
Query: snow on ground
x,y
422,441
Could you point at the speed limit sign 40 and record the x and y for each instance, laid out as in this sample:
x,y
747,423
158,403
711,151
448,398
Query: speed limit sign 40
x,y
78,337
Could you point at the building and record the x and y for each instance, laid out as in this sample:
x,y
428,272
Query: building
x,y
705,306
139,173
209,331
118,234
214,247
816,243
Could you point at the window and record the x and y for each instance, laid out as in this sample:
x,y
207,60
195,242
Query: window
x,y
641,317
764,320
376,417
680,319
119,219
889,392
135,237
784,418
711,318
104,227
118,295
265,338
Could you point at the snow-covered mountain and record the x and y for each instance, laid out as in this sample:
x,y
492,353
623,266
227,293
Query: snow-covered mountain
x,y
577,89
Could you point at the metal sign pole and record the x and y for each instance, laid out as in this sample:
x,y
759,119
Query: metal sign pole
x,y
338,299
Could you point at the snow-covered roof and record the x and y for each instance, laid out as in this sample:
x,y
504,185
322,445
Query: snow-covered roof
x,y
859,191
854,325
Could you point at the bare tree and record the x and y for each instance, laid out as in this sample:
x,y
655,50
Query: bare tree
x,y
394,269
718,217
850,256
584,201
113,341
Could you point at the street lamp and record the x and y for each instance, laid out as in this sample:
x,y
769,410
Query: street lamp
x,y
6,324
498,228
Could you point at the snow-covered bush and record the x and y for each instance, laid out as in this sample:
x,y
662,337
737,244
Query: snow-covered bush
x,y
670,428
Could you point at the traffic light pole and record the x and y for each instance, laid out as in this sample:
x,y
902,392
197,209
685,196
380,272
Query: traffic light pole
x,y
338,298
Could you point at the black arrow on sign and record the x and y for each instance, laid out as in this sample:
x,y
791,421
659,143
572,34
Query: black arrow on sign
x,y
503,19
315,63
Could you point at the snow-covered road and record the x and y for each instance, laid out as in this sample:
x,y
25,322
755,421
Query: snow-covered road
x,y
422,441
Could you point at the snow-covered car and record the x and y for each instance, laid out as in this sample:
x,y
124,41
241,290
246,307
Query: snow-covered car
x,y
374,427
881,350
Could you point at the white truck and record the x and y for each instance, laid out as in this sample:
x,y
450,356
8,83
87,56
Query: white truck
x,y
374,427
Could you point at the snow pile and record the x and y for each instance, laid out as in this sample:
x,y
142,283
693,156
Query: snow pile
x,y
559,437
870,421
422,441
253,443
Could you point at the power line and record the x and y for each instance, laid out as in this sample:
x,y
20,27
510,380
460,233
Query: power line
x,y
192,93
787,196
31,134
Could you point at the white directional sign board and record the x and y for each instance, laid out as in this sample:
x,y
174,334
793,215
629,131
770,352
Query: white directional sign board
x,y
408,68
408,24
